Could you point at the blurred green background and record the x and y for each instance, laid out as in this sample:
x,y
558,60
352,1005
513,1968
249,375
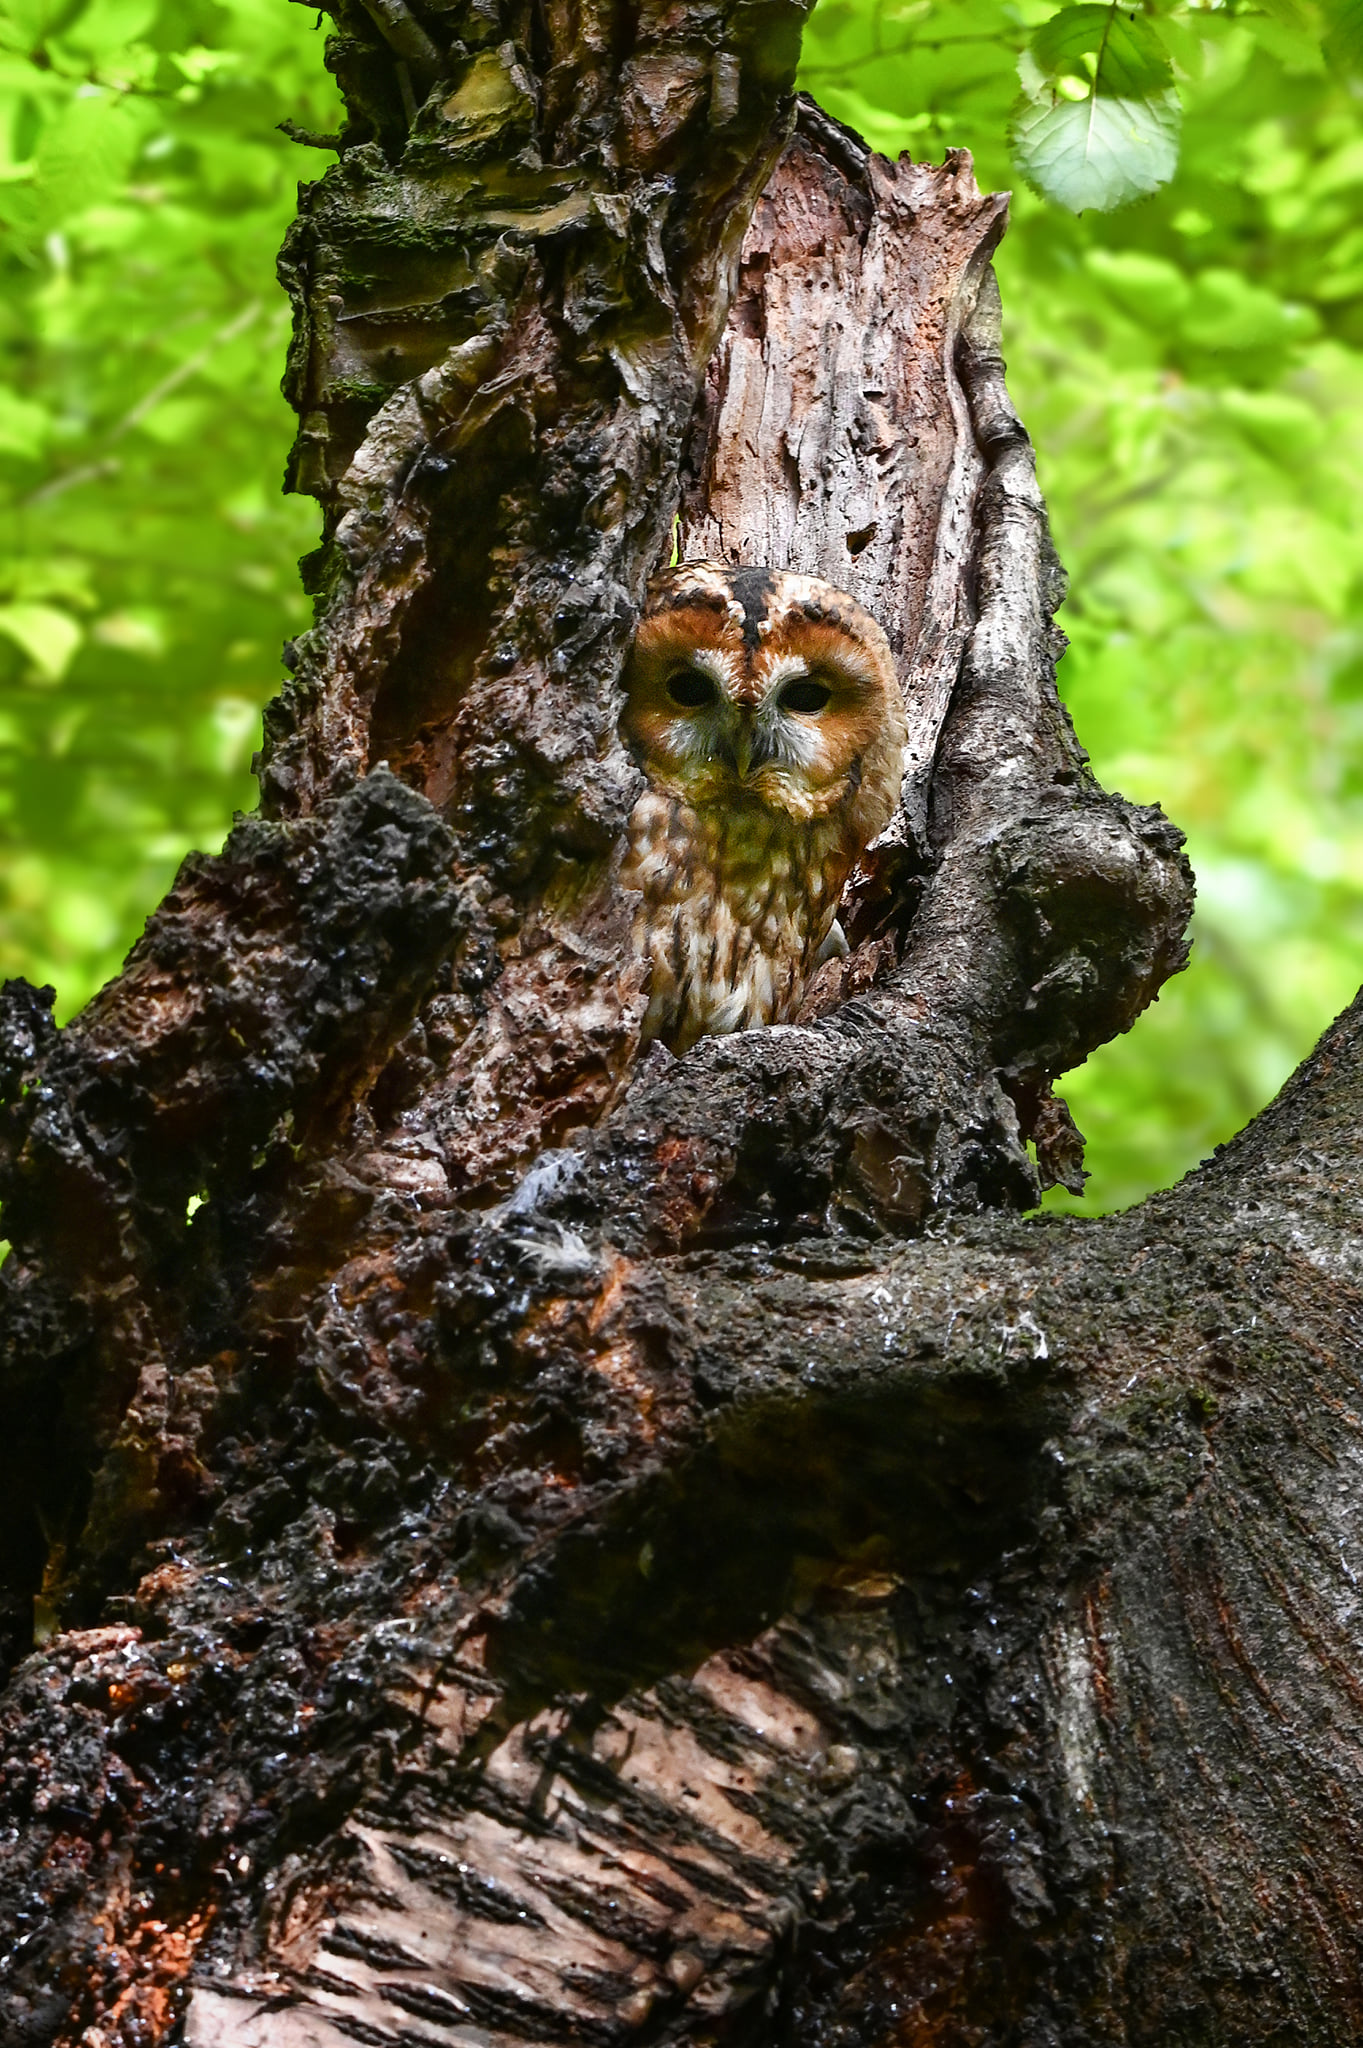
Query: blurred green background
x,y
1190,366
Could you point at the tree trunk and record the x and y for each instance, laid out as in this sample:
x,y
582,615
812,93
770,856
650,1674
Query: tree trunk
x,y
528,1542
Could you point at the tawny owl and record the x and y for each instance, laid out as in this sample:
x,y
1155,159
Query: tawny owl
x,y
765,711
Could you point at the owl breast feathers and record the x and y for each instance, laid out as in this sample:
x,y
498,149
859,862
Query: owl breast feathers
x,y
765,711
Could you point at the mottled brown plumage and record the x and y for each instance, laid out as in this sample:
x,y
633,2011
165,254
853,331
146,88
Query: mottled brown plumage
x,y
765,711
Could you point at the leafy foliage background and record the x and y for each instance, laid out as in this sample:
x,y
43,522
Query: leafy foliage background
x,y
1191,367
147,573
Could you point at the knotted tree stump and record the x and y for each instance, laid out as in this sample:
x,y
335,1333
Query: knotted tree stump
x,y
529,1542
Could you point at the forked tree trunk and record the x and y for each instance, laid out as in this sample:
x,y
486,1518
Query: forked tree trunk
x,y
530,1543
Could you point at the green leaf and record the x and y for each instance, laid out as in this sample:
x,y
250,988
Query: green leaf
x,y
63,580
1099,120
108,26
25,24
85,152
1285,427
1115,55
1150,288
49,638
1295,51
1097,152
24,426
1226,312
1305,16
1344,34
141,631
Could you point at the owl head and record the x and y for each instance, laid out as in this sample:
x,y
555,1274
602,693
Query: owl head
x,y
756,686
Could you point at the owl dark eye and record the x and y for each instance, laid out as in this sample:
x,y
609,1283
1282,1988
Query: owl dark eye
x,y
806,696
691,689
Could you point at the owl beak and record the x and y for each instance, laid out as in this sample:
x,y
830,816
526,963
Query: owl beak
x,y
751,749
735,750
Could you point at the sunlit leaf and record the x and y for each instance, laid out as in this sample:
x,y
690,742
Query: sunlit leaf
x,y
48,637
109,25
1098,123
24,425
84,152
1295,49
1150,288
1284,426
56,578
135,632
1097,153
1227,312
1116,54
25,24
1306,16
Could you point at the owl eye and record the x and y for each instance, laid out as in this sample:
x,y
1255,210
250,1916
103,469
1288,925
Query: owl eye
x,y
806,696
690,689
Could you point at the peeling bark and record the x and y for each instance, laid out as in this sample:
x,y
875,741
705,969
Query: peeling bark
x,y
534,1543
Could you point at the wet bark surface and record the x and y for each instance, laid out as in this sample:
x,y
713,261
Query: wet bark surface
x,y
527,1542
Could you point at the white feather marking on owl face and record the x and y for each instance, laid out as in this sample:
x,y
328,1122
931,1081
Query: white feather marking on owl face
x,y
784,737
775,669
707,730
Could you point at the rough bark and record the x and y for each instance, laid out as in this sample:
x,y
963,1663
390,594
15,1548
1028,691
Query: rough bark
x,y
529,1543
